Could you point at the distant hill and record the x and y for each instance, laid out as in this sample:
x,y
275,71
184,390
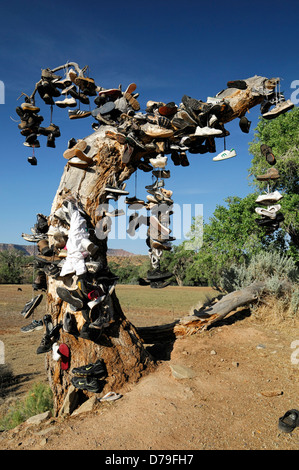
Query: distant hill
x,y
30,250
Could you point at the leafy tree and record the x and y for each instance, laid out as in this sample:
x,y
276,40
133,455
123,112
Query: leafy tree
x,y
232,236
282,135
180,262
11,271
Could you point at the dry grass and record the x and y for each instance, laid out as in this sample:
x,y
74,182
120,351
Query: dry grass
x,y
274,312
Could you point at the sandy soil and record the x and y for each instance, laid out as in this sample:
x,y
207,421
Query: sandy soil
x,y
242,376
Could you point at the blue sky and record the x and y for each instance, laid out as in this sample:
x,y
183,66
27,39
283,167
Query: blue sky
x,y
168,49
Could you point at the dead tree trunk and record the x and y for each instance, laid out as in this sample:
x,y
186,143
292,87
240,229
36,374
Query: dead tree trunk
x,y
203,318
120,346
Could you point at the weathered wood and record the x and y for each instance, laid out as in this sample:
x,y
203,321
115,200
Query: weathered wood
x,y
240,101
200,321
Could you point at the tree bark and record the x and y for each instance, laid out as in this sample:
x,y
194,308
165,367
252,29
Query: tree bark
x,y
121,345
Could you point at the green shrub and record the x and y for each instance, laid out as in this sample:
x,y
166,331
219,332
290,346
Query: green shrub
x,y
38,400
269,266
294,302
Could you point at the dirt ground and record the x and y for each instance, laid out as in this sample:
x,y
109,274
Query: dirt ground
x,y
242,375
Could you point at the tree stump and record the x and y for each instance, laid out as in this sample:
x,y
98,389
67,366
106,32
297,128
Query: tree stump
x,y
119,345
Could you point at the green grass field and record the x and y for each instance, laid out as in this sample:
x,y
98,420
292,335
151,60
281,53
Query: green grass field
x,y
142,305
145,306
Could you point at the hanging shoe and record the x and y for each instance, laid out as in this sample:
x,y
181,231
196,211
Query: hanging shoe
x,y
280,108
86,84
30,107
268,154
270,174
79,96
240,84
67,102
269,198
127,153
51,129
225,155
51,141
269,212
78,114
244,124
71,297
159,161
207,131
32,161
31,306
40,282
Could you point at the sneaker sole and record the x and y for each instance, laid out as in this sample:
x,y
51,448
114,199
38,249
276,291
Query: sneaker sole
x,y
69,153
33,306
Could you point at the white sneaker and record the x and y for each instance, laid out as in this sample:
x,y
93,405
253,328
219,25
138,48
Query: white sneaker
x,y
207,131
269,197
159,162
280,108
225,155
68,102
214,100
212,119
77,162
270,212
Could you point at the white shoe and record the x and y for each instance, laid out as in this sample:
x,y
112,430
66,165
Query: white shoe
x,y
86,244
280,108
154,130
225,155
269,197
77,162
159,162
212,119
55,353
207,131
214,100
270,212
68,102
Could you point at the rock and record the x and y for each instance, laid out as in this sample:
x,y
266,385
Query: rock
x,y
38,419
70,402
213,353
88,405
43,442
181,372
236,364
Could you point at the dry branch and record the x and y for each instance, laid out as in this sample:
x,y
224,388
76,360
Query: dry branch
x,y
201,321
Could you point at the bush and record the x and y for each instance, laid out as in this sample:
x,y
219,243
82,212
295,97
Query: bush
x,y
294,302
38,400
269,266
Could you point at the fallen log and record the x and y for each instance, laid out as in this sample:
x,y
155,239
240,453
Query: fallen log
x,y
200,321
